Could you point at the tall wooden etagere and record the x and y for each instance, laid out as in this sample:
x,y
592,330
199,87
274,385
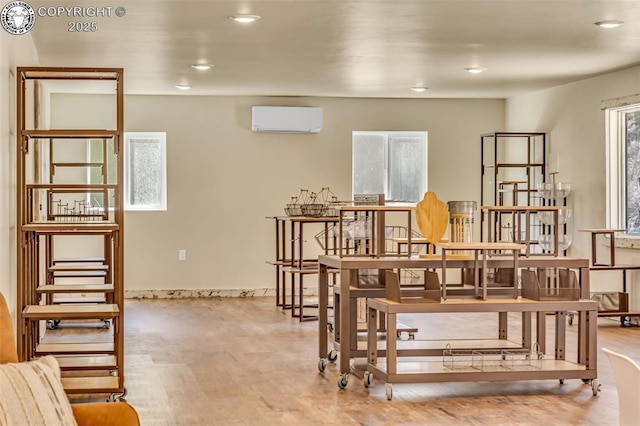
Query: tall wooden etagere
x,y
56,213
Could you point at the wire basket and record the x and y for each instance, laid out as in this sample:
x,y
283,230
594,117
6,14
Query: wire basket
x,y
293,210
333,208
312,204
313,210
492,360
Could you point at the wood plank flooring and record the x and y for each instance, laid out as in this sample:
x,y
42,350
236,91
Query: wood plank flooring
x,y
243,361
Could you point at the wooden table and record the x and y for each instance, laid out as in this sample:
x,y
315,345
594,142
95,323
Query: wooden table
x,y
345,344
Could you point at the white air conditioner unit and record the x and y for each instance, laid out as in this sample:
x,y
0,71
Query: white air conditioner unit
x,y
278,119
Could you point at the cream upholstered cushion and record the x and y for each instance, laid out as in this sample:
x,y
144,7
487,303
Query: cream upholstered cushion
x,y
31,394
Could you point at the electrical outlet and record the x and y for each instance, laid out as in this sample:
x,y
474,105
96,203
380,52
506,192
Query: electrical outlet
x,y
182,255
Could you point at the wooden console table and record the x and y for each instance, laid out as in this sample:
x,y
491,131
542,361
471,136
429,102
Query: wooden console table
x,y
345,343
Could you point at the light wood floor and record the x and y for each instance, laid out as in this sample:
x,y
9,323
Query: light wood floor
x,y
246,362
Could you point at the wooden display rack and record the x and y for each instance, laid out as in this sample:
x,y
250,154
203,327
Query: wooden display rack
x,y
623,311
49,210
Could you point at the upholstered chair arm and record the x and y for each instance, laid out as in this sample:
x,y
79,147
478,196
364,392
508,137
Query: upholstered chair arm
x,y
105,414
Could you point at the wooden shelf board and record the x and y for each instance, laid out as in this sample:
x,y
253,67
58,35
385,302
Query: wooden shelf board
x,y
601,230
619,314
47,312
88,227
67,268
79,260
70,134
79,274
75,288
613,268
70,73
103,384
439,345
75,348
436,367
98,362
72,187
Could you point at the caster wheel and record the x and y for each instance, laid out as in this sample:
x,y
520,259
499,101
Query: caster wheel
x,y
595,387
330,327
53,324
332,356
114,398
412,336
562,381
106,324
398,334
117,397
322,364
388,389
585,381
368,378
343,381
570,319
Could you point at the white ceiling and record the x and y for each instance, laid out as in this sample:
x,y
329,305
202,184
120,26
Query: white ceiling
x,y
354,48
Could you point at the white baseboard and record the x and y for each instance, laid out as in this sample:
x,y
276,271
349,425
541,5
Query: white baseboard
x,y
191,293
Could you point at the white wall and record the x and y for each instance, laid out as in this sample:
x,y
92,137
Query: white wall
x,y
224,180
572,116
14,51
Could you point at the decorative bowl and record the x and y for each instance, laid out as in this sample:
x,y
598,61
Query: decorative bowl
x,y
553,191
546,242
547,217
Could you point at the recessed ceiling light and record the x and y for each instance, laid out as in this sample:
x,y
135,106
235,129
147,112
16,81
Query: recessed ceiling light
x,y
419,89
244,18
475,70
182,86
202,67
609,24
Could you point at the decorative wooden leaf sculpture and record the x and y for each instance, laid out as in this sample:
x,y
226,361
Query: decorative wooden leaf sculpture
x,y
432,216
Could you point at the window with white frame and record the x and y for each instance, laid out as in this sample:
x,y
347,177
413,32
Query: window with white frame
x,y
390,163
145,169
623,168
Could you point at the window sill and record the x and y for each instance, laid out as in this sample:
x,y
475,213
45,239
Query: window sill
x,y
625,241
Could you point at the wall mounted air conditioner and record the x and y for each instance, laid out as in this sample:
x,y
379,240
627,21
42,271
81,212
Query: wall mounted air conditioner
x,y
279,119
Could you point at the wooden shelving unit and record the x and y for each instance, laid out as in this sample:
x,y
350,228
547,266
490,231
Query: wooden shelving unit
x,y
623,310
55,212
512,163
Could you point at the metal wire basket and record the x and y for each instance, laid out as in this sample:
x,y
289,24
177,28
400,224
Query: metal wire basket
x,y
313,210
293,210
